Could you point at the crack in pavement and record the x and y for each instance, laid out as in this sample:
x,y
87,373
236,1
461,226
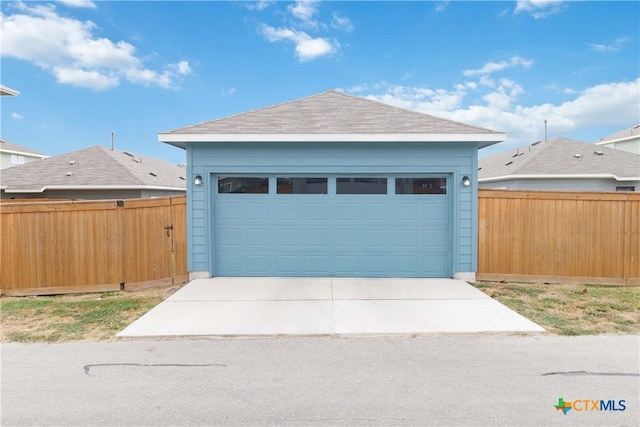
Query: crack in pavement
x,y
87,368
585,373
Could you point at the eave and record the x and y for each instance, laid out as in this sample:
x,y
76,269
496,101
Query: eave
x,y
559,176
182,139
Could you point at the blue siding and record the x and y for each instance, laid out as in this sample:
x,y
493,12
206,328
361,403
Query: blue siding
x,y
453,159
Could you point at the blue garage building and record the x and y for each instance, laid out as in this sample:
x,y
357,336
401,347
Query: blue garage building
x,y
332,185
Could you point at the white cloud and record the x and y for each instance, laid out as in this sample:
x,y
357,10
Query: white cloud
x,y
228,92
611,47
296,30
305,11
539,8
614,105
86,4
492,67
341,22
259,5
17,116
69,50
307,48
441,6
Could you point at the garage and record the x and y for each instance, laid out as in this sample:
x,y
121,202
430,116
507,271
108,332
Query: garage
x,y
332,185
371,226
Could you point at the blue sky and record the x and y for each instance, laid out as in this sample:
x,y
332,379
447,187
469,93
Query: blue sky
x,y
87,68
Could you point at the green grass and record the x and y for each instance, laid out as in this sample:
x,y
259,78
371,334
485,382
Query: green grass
x,y
71,318
561,309
572,309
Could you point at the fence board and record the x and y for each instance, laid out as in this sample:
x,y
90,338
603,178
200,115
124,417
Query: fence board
x,y
559,235
66,247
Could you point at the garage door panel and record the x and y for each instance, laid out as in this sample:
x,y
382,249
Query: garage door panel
x,y
435,211
374,235
405,211
435,238
287,237
316,238
373,238
347,211
405,238
316,211
287,211
257,263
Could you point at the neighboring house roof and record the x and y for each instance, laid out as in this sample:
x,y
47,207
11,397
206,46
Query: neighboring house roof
x,y
560,158
7,91
94,168
323,116
10,147
629,133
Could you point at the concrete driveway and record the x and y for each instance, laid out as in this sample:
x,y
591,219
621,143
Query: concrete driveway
x,y
228,306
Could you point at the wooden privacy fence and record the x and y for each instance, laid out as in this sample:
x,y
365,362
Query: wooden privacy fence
x,y
67,247
559,236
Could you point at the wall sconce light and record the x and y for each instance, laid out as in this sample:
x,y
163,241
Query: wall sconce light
x,y
466,181
197,180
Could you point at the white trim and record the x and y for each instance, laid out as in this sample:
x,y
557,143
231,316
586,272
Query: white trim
x,y
331,137
23,153
559,176
7,91
89,188
613,141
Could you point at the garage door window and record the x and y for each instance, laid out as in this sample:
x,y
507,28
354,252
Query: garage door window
x,y
243,185
302,185
421,185
361,185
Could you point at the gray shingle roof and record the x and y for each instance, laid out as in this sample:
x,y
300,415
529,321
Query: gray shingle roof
x,y
15,148
331,112
559,156
94,167
625,133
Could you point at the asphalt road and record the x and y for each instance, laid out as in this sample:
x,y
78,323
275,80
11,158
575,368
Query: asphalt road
x,y
431,380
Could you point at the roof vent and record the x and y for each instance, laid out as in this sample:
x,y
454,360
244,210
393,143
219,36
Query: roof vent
x,y
577,156
153,174
72,162
598,153
517,154
69,173
182,178
128,153
480,168
508,163
536,143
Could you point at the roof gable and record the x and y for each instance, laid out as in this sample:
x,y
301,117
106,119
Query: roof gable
x,y
94,168
329,113
559,157
628,133
10,147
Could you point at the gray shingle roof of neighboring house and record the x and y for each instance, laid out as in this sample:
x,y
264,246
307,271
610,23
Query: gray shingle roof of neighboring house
x,y
94,168
327,113
559,158
10,147
630,132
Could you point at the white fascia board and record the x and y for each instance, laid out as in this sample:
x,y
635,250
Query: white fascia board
x,y
22,153
331,137
622,139
559,176
7,91
90,187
